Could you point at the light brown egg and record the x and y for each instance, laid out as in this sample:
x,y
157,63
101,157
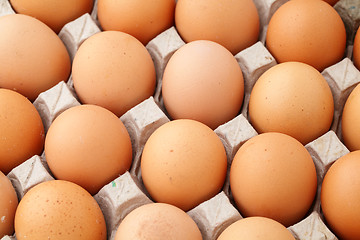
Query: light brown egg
x,y
203,81
59,210
340,197
183,164
21,128
350,120
88,145
35,57
273,175
8,205
256,228
233,24
113,70
54,13
356,49
158,221
141,19
292,98
308,31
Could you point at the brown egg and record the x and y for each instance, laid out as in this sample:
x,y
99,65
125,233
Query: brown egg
x,y
54,13
197,83
8,205
340,197
292,98
356,49
158,221
256,228
308,31
273,175
113,70
183,164
233,24
35,57
21,128
59,210
141,19
88,145
350,120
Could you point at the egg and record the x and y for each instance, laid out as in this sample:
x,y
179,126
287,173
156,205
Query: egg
x,y
141,19
8,205
350,119
256,228
88,145
292,98
356,49
273,175
203,81
35,57
158,221
308,31
114,70
59,210
340,196
54,13
183,163
21,128
233,24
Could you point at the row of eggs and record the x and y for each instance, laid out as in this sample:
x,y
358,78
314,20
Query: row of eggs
x,y
202,47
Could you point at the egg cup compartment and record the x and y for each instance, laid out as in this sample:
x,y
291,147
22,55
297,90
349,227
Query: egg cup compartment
x,y
74,33
118,198
127,192
28,174
349,13
5,8
342,77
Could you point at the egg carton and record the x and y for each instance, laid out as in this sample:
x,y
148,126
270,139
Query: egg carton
x,y
127,192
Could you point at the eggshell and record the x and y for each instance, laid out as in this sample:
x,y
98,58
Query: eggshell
x,y
340,197
59,210
292,98
183,164
157,221
88,145
114,70
273,175
256,228
356,49
35,57
233,24
21,128
141,19
350,120
8,205
54,13
308,31
203,81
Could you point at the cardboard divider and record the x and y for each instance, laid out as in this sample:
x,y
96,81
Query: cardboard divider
x,y
118,198
161,48
74,33
5,8
141,121
342,78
